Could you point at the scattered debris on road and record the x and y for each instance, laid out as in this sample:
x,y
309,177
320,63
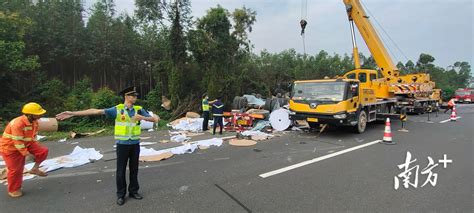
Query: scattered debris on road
x,y
242,142
190,147
40,137
85,134
147,143
78,157
159,157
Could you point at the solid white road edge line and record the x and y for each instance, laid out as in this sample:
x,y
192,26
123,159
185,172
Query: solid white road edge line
x,y
304,163
449,120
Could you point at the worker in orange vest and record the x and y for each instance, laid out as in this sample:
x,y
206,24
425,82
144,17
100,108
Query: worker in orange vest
x,y
451,105
19,141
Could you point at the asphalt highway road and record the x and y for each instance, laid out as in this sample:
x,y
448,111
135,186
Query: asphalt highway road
x,y
336,171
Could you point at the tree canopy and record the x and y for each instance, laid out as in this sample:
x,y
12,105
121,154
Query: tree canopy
x,y
70,57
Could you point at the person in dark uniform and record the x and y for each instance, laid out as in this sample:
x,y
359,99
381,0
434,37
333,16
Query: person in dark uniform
x,y
218,113
127,131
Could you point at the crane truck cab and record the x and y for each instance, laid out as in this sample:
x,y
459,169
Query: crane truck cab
x,y
338,102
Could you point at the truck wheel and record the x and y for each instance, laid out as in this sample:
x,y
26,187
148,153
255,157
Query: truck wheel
x,y
361,122
235,103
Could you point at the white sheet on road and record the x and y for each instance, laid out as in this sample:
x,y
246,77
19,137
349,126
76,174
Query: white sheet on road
x,y
179,138
189,124
78,157
147,124
256,135
186,148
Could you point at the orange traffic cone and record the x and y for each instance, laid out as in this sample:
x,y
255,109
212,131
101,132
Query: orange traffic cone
x,y
387,135
453,114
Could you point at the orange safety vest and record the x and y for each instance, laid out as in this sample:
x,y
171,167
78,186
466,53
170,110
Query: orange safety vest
x,y
451,102
18,135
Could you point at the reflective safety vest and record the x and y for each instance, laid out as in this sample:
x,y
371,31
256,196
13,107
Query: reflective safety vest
x,y
18,136
125,127
451,102
205,105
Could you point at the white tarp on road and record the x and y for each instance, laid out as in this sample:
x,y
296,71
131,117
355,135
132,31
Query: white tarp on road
x,y
257,135
189,124
78,157
186,148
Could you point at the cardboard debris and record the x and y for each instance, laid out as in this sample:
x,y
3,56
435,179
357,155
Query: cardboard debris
x,y
85,134
166,103
158,157
302,123
164,141
47,125
228,137
192,134
147,143
257,135
187,124
3,173
177,121
203,147
242,142
192,115
186,148
258,111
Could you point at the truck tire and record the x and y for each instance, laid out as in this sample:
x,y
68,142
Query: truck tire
x,y
361,122
274,104
267,105
243,102
235,103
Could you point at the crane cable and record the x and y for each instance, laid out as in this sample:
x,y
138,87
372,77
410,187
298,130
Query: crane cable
x,y
303,22
385,32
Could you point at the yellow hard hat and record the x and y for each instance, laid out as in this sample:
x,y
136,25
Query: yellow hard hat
x,y
33,109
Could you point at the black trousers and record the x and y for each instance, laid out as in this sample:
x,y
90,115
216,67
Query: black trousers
x,y
205,123
449,108
218,121
130,154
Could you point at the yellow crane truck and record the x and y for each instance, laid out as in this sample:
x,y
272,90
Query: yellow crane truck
x,y
362,95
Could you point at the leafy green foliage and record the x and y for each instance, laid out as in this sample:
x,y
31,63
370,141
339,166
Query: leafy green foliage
x,y
52,55
105,98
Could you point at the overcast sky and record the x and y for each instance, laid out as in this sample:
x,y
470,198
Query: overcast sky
x,y
441,28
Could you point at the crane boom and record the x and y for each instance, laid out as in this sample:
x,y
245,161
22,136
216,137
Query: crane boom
x,y
357,15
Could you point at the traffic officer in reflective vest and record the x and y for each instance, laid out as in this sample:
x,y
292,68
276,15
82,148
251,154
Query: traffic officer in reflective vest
x,y
127,118
19,141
